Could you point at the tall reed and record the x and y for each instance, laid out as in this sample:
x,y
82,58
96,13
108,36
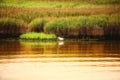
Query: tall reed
x,y
84,27
37,25
11,27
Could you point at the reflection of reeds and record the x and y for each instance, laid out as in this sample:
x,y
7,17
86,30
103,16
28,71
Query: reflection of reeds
x,y
44,47
72,49
38,43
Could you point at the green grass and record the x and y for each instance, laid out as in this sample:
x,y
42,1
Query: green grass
x,y
28,14
37,25
103,1
60,4
11,22
80,27
12,26
28,10
83,26
70,18
38,36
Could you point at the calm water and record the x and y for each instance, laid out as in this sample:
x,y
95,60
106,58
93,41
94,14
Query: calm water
x,y
20,60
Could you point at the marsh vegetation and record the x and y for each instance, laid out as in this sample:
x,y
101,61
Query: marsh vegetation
x,y
71,19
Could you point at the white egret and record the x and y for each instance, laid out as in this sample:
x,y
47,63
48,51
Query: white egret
x,y
60,38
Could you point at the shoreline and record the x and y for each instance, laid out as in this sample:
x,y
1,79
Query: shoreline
x,y
54,40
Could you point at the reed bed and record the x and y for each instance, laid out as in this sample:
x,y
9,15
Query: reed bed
x,y
86,27
94,26
68,18
28,14
59,3
37,25
88,1
11,27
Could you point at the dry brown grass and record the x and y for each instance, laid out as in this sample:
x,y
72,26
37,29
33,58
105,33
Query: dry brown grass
x,y
28,14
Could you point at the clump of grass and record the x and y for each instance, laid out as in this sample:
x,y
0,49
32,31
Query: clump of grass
x,y
83,27
37,25
72,26
103,1
38,36
112,30
11,27
60,27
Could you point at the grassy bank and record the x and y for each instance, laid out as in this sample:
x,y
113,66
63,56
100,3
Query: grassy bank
x,y
28,10
37,25
60,3
38,36
11,27
83,27
86,27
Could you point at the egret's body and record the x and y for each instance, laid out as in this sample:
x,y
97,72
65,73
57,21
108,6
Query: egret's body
x,y
60,38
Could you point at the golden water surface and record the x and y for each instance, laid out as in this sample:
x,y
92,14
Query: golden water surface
x,y
61,60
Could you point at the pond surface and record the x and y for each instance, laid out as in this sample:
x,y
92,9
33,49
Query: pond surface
x,y
80,60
